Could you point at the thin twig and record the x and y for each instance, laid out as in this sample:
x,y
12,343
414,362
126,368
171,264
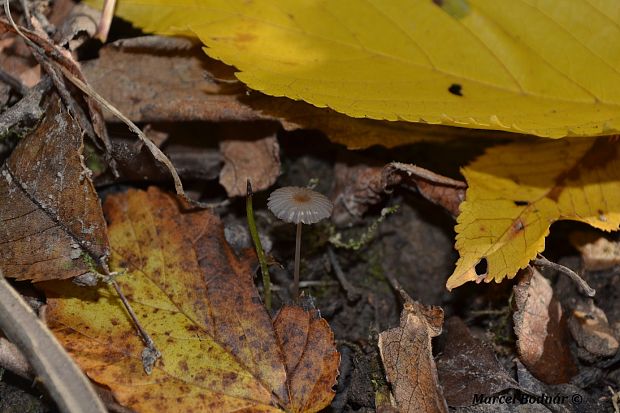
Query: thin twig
x,y
541,261
70,389
150,354
353,293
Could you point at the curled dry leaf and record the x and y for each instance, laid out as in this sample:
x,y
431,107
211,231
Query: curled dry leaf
x,y
589,327
220,350
542,334
468,367
257,160
408,359
360,186
50,211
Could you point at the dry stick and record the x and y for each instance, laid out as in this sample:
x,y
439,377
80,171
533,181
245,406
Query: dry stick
x,y
353,293
66,383
543,262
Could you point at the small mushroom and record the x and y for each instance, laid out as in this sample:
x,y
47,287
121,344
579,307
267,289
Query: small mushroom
x,y
299,206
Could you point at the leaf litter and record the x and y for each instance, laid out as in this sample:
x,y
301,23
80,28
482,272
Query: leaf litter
x,y
362,201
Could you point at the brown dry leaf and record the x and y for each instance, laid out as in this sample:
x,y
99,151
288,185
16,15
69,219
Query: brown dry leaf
x,y
304,337
540,325
598,252
50,210
408,359
220,350
257,160
590,329
468,367
440,190
359,186
150,85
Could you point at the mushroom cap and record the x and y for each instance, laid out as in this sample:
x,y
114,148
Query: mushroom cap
x,y
295,204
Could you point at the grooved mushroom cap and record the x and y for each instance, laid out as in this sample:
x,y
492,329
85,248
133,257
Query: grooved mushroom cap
x,y
295,204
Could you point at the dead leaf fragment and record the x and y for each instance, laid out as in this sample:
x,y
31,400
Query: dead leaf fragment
x,y
590,328
408,360
257,160
304,336
361,185
540,326
598,252
220,349
163,86
50,210
468,366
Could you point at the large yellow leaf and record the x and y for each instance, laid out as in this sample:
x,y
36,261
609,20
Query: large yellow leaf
x,y
221,352
517,191
548,67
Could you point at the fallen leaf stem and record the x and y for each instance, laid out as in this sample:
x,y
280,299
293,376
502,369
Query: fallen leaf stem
x,y
541,261
264,268
150,354
297,262
103,28
66,383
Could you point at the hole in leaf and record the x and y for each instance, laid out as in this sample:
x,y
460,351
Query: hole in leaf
x,y
455,89
481,267
521,203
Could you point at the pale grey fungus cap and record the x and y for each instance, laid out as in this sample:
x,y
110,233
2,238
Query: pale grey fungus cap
x,y
295,204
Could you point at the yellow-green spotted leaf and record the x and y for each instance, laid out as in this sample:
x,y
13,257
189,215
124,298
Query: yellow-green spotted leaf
x,y
221,351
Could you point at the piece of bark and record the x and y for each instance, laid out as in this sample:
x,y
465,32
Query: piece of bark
x,y
468,367
257,160
50,211
408,359
540,326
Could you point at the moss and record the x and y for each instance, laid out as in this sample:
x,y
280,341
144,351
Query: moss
x,y
365,235
93,159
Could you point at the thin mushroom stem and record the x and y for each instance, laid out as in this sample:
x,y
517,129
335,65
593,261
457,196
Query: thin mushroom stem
x,y
297,259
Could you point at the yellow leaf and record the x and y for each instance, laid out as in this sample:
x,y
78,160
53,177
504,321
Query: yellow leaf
x,y
220,349
548,68
517,191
